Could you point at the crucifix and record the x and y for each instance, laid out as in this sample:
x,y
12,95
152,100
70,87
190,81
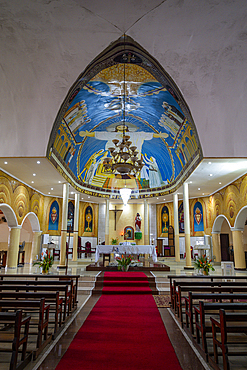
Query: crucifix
x,y
115,215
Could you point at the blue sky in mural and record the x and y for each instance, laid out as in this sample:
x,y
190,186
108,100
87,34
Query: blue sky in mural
x,y
94,114
143,112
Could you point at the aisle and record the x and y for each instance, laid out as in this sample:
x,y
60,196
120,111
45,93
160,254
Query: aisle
x,y
122,331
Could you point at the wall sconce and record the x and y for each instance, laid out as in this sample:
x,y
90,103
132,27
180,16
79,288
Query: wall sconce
x,y
122,233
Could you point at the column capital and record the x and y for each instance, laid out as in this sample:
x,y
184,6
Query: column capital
x,y
15,227
236,229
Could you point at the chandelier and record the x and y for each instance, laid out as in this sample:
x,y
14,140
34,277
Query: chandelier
x,y
124,156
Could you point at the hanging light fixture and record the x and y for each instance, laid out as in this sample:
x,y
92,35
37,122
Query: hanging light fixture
x,y
124,156
125,194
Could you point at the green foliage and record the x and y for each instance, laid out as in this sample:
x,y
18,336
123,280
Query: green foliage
x,y
114,241
46,262
123,261
203,263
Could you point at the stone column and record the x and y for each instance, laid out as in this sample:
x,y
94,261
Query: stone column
x,y
216,247
107,203
176,227
76,225
187,225
13,248
146,235
238,248
36,245
64,226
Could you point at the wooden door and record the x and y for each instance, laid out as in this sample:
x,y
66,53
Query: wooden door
x,y
224,245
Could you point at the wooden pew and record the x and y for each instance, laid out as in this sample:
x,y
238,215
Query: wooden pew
x,y
19,338
37,277
238,324
62,289
56,283
190,279
207,309
213,297
182,292
39,313
51,298
201,283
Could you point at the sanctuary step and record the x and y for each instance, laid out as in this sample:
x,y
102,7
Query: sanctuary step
x,y
125,283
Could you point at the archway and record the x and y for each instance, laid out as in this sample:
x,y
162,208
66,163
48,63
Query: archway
x,y
222,239
9,215
29,228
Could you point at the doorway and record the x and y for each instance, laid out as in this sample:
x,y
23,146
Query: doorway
x,y
224,245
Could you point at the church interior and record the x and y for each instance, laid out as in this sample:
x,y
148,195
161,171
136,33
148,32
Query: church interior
x,y
123,170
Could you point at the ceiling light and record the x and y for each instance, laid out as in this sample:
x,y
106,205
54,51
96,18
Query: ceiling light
x,y
59,182
49,193
209,162
51,188
88,197
199,188
5,162
202,193
190,182
32,182
38,162
211,174
219,183
157,198
81,198
34,174
125,195
164,198
124,157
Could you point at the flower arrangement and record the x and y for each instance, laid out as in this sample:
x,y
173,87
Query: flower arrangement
x,y
203,263
123,262
114,241
46,262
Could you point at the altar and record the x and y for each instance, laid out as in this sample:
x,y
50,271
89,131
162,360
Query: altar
x,y
128,249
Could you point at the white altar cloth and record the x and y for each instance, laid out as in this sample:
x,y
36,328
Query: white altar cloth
x,y
129,249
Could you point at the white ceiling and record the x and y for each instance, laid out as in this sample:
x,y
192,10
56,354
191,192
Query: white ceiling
x,y
211,175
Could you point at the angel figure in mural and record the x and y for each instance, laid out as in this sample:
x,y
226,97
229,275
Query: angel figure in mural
x,y
138,221
155,179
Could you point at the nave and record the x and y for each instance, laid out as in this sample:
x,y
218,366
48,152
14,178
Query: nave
x,y
187,355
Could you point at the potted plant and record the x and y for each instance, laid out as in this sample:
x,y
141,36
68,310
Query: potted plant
x,y
123,262
46,262
204,264
114,241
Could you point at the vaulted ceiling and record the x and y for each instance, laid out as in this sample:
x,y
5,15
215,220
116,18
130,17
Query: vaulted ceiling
x,y
125,88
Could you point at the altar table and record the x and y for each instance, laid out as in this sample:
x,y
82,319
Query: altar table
x,y
128,249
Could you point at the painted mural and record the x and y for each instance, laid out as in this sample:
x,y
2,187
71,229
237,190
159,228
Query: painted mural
x,y
181,218
198,217
165,220
70,221
126,92
88,222
54,216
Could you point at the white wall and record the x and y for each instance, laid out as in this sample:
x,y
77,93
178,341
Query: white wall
x,y
45,46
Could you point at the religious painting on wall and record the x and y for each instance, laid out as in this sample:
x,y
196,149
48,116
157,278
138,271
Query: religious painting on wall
x,y
181,218
53,216
198,217
165,219
88,221
128,233
70,223
98,112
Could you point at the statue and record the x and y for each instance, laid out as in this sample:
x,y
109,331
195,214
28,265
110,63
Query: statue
x,y
138,220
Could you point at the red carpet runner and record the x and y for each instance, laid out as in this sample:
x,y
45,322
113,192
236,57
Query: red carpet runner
x,y
126,283
122,332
